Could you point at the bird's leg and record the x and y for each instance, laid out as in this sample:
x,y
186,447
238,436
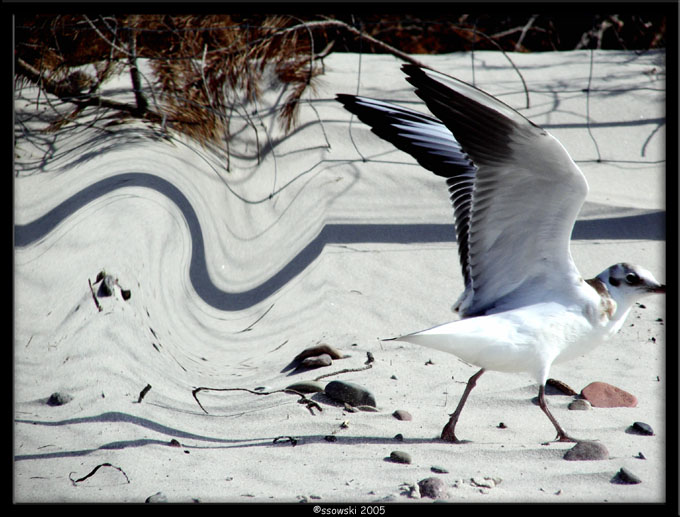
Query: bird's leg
x,y
449,432
562,436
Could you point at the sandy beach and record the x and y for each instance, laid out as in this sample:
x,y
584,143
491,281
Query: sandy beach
x,y
235,264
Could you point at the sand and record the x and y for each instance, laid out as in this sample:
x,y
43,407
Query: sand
x,y
327,235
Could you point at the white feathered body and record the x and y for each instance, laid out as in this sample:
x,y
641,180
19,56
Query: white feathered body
x,y
527,339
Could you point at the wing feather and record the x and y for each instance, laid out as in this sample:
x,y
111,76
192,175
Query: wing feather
x,y
515,190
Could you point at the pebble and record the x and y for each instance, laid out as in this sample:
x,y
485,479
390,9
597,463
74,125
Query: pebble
x,y
601,394
107,286
401,414
317,350
399,437
432,487
485,482
306,387
587,451
642,428
317,361
626,477
400,457
158,497
580,405
561,386
438,470
351,393
410,490
59,399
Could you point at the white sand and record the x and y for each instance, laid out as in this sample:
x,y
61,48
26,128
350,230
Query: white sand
x,y
313,273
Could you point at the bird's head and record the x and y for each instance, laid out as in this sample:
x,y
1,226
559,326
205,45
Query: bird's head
x,y
627,283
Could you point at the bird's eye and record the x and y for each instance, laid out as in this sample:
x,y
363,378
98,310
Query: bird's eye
x,y
632,278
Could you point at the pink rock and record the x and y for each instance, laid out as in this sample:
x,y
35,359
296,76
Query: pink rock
x,y
601,394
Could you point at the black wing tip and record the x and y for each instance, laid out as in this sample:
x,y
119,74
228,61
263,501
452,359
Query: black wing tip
x,y
346,98
412,68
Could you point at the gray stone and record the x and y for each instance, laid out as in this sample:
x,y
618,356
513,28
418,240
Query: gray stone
x,y
400,457
306,387
318,350
317,361
401,414
587,451
432,487
59,399
351,393
626,477
642,428
580,404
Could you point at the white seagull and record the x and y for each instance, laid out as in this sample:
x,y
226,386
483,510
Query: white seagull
x,y
516,193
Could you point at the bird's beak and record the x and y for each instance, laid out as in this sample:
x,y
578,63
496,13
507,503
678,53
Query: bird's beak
x,y
660,288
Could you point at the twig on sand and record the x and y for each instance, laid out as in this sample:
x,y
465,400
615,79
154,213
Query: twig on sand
x,y
346,370
250,327
94,296
143,393
94,470
311,405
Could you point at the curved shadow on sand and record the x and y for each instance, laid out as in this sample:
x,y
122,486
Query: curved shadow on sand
x,y
208,441
649,226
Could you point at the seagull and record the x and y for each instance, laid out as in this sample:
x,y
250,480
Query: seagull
x,y
515,193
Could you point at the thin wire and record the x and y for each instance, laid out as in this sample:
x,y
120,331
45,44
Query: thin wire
x,y
590,79
351,119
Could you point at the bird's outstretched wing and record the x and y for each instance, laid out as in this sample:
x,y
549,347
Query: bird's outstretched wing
x,y
514,208
433,146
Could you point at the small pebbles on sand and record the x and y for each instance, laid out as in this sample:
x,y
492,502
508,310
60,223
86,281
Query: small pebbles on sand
x,y
485,482
59,399
432,487
642,428
317,350
580,404
306,387
158,497
351,393
317,361
410,490
108,285
401,414
315,357
587,451
626,477
561,386
400,457
601,394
